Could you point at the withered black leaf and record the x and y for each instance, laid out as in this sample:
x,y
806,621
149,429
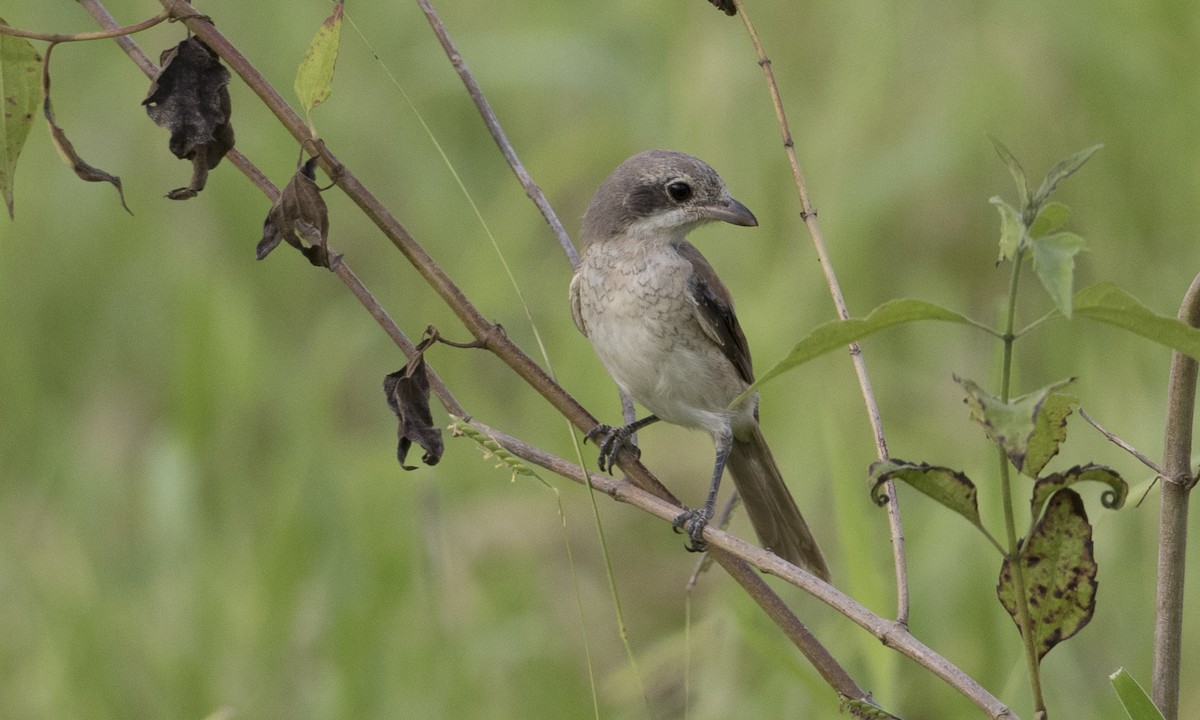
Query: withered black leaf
x,y
65,148
407,393
300,217
725,6
190,97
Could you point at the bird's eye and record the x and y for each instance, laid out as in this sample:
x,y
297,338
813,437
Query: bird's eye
x,y
679,190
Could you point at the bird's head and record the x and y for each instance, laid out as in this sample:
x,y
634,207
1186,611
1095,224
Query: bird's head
x,y
661,192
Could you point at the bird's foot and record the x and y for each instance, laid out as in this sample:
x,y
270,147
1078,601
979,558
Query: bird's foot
x,y
611,440
693,523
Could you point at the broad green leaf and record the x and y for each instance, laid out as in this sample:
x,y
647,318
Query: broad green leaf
x,y
949,487
1052,216
1059,572
1135,700
1015,169
1054,263
1107,303
1062,171
1113,499
1049,432
314,77
840,333
1012,230
20,93
1009,424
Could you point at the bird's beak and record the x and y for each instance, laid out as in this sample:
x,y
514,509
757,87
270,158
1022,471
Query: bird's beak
x,y
732,212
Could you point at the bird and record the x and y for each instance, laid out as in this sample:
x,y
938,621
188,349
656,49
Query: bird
x,y
663,325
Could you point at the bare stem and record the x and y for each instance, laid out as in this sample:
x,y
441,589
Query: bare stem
x,y
809,215
105,34
1122,444
1178,481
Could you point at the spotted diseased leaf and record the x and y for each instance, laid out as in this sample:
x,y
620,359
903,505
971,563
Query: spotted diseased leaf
x,y
190,97
1049,432
1009,424
949,487
65,148
1113,498
407,392
19,95
300,217
1059,571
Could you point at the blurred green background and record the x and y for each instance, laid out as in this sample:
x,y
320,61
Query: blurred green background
x,y
200,507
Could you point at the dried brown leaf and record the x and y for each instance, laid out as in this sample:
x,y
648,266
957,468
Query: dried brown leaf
x,y
407,392
300,217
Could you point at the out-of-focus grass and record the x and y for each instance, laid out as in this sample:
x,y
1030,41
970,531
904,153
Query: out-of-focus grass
x,y
199,502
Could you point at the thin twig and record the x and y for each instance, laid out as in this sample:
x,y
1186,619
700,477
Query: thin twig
x,y
1122,444
107,33
1178,481
809,215
493,125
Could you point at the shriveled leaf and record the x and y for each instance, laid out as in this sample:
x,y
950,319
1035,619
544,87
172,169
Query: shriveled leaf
x,y
1113,498
19,95
1134,699
66,149
1054,263
407,392
1049,432
839,333
1059,571
1061,171
725,6
949,487
1014,169
1009,424
190,97
1107,303
1051,217
299,216
1012,230
314,77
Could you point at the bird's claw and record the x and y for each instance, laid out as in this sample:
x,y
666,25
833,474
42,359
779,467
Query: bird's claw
x,y
611,440
693,522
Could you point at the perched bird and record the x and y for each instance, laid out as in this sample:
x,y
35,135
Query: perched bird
x,y
662,324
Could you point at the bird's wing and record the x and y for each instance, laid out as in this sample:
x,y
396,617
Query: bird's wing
x,y
576,312
714,311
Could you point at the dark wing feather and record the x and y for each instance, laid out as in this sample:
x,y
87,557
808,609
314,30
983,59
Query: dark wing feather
x,y
714,311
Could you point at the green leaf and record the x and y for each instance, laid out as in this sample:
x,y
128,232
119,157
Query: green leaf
x,y
1012,230
20,93
1052,216
1107,303
1049,432
314,77
949,487
840,333
1135,700
1012,424
1015,169
1054,263
1113,499
1062,171
1059,571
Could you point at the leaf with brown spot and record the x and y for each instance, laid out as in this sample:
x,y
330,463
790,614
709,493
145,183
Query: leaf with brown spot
x,y
1012,424
1113,498
190,97
949,487
407,392
299,216
19,63
1059,571
64,146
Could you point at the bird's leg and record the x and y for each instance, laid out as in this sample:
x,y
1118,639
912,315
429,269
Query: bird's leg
x,y
693,522
611,439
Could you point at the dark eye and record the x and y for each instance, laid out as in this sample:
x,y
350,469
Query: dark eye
x,y
679,190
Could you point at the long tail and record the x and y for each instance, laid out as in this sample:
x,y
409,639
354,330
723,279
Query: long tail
x,y
773,513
